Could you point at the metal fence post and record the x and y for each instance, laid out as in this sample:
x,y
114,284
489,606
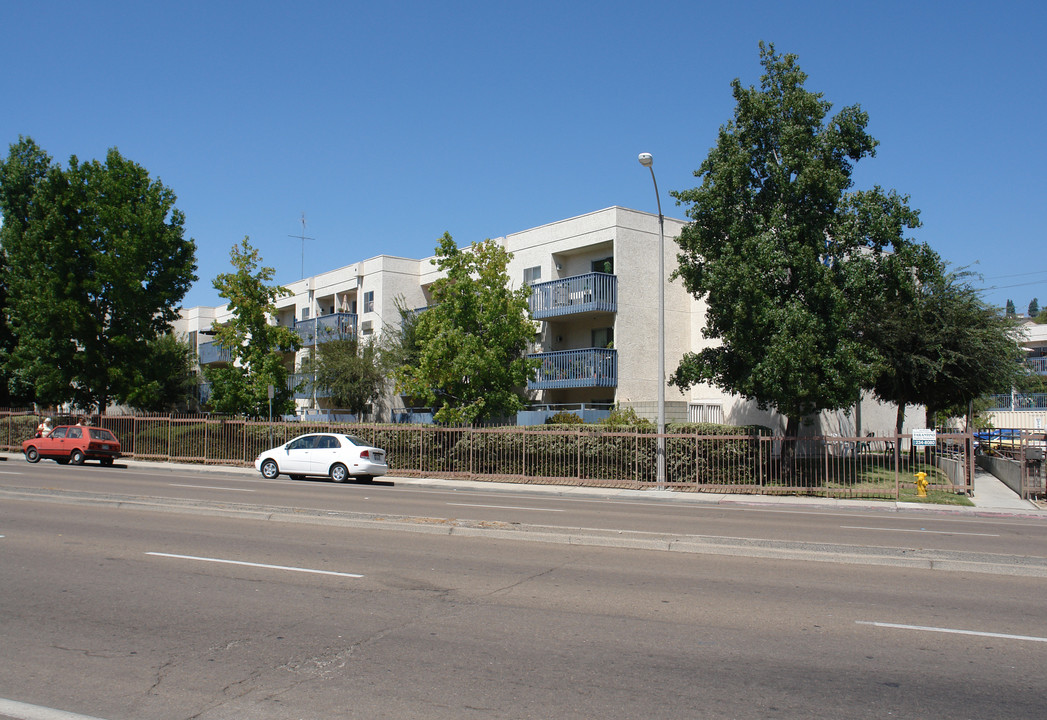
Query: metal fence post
x,y
897,465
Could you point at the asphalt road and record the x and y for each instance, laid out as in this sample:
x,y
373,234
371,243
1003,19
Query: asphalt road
x,y
870,532
399,601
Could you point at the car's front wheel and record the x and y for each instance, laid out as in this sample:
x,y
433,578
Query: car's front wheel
x,y
32,454
76,457
339,472
270,470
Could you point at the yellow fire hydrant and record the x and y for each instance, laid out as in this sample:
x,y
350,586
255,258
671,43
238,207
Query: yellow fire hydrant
x,y
921,484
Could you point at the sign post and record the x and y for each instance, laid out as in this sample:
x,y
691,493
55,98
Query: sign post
x,y
272,393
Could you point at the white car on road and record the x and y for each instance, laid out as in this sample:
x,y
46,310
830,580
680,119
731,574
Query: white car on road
x,y
335,455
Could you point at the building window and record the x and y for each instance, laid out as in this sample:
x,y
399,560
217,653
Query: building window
x,y
705,413
603,337
604,265
369,301
305,313
532,275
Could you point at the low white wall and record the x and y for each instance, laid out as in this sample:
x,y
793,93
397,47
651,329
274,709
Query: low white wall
x,y
1018,419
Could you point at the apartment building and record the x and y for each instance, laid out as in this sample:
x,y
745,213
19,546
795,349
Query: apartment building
x,y
1025,410
594,294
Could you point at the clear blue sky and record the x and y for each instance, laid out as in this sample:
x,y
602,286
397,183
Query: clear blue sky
x,y
389,123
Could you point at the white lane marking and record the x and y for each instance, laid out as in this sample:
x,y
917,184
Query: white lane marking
x,y
921,530
505,507
9,472
25,711
210,487
257,565
953,631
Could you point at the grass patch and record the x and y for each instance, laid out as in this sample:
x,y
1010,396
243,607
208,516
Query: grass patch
x,y
934,497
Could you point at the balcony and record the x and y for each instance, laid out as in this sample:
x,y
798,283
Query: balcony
x,y
336,326
591,367
213,352
1036,402
306,390
589,293
1037,365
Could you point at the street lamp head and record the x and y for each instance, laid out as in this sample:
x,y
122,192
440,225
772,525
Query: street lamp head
x,y
645,159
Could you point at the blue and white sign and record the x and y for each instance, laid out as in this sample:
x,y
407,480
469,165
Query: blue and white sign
x,y
924,438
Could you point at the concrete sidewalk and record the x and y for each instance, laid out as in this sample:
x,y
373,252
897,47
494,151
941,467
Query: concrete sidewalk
x,y
991,492
991,495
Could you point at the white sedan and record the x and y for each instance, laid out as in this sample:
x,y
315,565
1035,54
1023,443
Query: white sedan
x,y
336,455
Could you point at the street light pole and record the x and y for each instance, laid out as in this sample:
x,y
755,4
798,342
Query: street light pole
x,y
648,162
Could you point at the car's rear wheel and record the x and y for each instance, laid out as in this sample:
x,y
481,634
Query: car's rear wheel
x,y
339,472
76,457
270,469
32,454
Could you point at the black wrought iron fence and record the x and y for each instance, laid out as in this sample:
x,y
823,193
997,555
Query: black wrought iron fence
x,y
697,461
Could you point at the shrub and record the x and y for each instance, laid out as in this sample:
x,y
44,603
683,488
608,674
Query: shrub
x,y
626,418
564,417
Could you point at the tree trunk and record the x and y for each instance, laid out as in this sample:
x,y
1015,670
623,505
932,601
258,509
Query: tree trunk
x,y
792,431
899,423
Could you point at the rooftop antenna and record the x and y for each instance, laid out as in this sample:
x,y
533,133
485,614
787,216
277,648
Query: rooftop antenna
x,y
303,238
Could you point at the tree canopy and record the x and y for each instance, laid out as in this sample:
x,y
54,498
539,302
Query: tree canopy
x,y
351,371
942,346
472,341
257,347
95,267
787,258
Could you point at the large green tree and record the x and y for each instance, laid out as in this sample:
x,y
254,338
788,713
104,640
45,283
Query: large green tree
x,y
96,265
944,347
472,364
351,371
784,254
258,348
168,383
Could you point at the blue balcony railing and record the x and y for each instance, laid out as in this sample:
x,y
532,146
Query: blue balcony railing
x,y
304,384
1037,365
213,352
591,367
1018,401
593,292
336,326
